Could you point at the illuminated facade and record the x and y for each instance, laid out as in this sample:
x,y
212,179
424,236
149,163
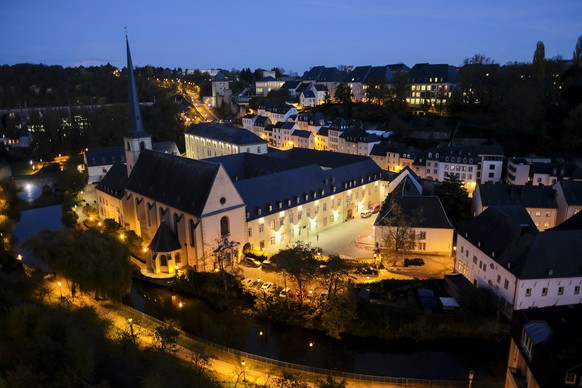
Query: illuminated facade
x,y
210,140
431,85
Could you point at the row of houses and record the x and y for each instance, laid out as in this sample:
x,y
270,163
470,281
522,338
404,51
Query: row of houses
x,y
426,84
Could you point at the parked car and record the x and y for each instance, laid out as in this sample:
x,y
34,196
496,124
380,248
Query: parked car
x,y
316,251
266,286
366,213
285,292
415,261
367,271
250,262
247,282
267,265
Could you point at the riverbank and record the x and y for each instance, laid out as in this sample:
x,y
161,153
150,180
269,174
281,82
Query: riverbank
x,y
230,366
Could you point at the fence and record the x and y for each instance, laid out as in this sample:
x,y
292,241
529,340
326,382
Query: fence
x,y
197,344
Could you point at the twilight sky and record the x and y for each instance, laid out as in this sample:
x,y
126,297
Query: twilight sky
x,y
292,34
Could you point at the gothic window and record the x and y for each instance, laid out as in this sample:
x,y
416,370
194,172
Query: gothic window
x,y
142,145
163,261
224,226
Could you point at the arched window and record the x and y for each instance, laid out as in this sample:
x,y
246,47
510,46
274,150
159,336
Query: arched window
x,y
128,146
142,145
163,261
224,227
192,233
161,214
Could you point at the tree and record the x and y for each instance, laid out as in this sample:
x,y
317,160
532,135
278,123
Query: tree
x,y
378,91
398,234
478,59
166,338
577,54
334,274
224,255
455,200
330,382
539,63
343,93
298,262
90,260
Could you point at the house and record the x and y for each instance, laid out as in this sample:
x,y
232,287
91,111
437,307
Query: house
x,y
277,112
569,198
501,249
407,212
292,195
471,164
207,140
266,84
282,134
519,170
325,77
393,156
545,349
538,201
357,142
260,125
303,139
431,85
110,192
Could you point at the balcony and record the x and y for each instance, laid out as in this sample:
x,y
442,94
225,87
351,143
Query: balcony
x,y
517,378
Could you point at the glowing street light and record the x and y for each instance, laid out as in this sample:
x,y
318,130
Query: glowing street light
x,y
60,288
244,371
130,321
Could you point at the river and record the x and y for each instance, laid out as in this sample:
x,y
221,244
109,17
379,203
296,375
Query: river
x,y
445,361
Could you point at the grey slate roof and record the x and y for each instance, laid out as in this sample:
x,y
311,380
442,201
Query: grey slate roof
x,y
422,72
168,147
358,74
420,211
557,350
526,195
224,133
262,121
521,249
100,156
179,182
308,94
572,192
164,240
113,183
220,77
283,176
301,133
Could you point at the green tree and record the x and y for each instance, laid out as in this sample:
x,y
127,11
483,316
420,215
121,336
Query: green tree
x,y
337,315
343,93
166,338
378,90
455,200
577,54
330,382
298,262
539,63
334,275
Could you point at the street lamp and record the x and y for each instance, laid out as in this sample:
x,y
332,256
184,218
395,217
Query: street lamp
x,y
60,288
130,321
471,376
244,371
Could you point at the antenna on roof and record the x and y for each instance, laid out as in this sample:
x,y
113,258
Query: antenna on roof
x,y
125,29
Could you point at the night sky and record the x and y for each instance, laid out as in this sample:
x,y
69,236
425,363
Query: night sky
x,y
294,35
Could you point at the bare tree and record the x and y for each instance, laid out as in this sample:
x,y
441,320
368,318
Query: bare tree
x,y
398,234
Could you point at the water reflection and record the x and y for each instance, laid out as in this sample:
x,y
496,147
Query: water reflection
x,y
292,344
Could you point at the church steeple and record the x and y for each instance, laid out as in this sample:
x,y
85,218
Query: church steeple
x,y
135,124
137,138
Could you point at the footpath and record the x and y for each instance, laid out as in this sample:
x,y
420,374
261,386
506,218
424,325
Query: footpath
x,y
229,369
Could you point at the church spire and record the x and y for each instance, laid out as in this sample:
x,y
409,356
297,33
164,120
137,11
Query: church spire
x,y
136,129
